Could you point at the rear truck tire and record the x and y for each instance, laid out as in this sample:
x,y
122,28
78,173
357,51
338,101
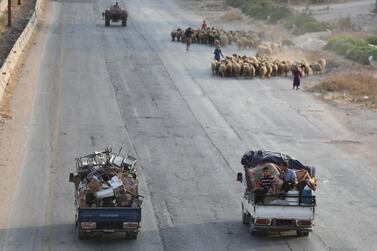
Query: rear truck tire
x,y
81,235
245,217
131,236
124,22
252,230
107,21
301,233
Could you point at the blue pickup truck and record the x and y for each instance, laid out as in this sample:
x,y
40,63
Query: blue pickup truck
x,y
106,195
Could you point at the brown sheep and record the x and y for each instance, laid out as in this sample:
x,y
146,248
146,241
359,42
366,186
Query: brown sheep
x,y
236,69
222,69
246,69
269,70
263,50
288,43
275,45
305,68
284,67
263,71
224,40
173,35
217,42
252,71
316,68
229,69
179,34
214,66
322,62
275,69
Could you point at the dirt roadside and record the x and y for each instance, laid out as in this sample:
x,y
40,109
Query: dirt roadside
x,y
13,132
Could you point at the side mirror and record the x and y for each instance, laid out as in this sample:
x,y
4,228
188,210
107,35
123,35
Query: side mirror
x,y
74,177
71,175
239,177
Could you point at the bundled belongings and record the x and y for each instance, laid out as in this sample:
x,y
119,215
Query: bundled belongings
x,y
104,179
253,158
257,162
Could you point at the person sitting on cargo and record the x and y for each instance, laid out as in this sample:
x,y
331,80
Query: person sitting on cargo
x,y
288,176
304,179
265,184
116,6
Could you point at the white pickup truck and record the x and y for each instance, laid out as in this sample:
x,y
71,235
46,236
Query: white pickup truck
x,y
292,211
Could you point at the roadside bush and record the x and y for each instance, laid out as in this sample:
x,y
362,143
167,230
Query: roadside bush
x,y
372,40
311,27
235,3
344,23
232,16
274,11
262,9
353,48
305,24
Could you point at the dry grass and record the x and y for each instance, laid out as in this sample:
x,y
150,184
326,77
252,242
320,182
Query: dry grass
x,y
213,7
2,22
360,87
344,23
232,15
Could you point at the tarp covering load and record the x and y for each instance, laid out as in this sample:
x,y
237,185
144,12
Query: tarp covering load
x,y
104,179
253,158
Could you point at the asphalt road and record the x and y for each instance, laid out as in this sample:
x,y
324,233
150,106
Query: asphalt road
x,y
133,87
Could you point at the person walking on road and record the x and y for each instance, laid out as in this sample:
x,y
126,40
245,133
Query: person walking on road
x,y
296,77
204,25
218,53
188,37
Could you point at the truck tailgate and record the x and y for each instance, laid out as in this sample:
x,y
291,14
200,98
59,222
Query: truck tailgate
x,y
284,212
105,214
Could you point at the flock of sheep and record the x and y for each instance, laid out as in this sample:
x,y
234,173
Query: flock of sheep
x,y
221,37
262,66
243,39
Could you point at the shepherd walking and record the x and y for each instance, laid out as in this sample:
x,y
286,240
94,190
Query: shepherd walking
x,y
296,78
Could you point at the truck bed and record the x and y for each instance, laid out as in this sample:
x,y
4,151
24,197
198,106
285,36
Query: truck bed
x,y
284,212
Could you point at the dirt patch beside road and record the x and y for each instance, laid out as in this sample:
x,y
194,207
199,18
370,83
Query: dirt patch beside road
x,y
13,132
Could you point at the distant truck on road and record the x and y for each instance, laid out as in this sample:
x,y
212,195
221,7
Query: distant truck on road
x,y
115,14
294,210
106,195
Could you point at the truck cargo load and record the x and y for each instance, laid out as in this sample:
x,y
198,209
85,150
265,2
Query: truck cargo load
x,y
277,210
106,194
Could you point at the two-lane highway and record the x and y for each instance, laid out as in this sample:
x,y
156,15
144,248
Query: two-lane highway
x,y
131,86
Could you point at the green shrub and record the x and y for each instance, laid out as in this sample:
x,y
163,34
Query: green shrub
x,y
312,27
298,20
372,40
235,3
305,24
262,9
353,48
274,11
279,14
